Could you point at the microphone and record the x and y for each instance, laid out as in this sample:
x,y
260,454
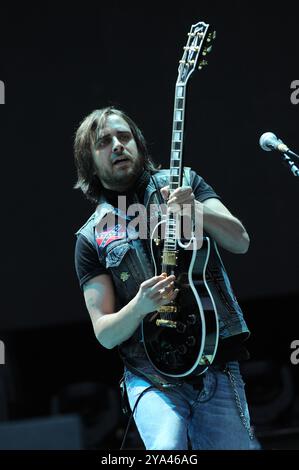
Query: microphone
x,y
269,141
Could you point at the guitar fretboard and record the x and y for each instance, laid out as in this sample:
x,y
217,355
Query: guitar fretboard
x,y
175,161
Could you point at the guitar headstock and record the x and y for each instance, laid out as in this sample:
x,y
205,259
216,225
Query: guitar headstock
x,y
199,44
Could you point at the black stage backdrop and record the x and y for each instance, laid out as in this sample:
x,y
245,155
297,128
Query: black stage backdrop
x,y
58,66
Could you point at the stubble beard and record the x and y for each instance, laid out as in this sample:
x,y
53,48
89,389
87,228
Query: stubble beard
x,y
123,180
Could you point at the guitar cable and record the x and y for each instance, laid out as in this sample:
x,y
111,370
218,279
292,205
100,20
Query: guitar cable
x,y
122,381
123,386
125,409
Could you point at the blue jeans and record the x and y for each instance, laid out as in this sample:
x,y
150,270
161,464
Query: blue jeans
x,y
180,417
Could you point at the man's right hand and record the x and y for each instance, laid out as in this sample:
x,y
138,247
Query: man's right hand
x,y
155,292
111,327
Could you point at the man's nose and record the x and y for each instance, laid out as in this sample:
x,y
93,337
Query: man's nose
x,y
117,146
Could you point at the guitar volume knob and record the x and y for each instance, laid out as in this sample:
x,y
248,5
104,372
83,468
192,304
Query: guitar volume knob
x,y
182,349
190,341
181,327
191,320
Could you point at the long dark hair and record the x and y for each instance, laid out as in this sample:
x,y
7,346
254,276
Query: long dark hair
x,y
85,137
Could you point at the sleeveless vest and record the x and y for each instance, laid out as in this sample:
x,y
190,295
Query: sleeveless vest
x,y
127,259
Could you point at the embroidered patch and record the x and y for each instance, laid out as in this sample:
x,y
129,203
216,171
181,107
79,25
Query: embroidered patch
x,y
104,238
124,276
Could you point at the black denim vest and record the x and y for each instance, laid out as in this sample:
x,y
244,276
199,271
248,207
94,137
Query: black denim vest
x,y
129,264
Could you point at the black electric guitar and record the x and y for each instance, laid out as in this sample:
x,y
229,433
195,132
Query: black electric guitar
x,y
181,338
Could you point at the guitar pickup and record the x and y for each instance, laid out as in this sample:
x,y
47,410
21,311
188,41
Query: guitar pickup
x,y
169,258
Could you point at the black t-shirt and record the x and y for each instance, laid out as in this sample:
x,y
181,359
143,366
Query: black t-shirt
x,y
87,263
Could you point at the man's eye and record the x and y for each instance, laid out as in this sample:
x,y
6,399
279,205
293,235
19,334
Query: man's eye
x,y
102,142
125,136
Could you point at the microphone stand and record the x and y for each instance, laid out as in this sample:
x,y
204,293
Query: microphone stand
x,y
290,164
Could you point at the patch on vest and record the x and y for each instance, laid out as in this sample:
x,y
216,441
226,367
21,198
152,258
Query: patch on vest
x,y
124,276
104,238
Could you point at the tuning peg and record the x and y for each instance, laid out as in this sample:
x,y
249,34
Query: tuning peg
x,y
211,36
206,50
202,64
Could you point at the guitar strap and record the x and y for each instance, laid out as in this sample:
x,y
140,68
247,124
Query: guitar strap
x,y
186,176
186,180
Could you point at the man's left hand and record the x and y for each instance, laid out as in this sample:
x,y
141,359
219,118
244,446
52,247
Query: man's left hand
x,y
179,197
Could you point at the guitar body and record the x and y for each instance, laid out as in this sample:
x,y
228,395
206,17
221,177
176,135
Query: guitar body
x,y
181,338
184,341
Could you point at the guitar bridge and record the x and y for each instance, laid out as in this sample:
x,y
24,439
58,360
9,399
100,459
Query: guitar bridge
x,y
167,309
166,323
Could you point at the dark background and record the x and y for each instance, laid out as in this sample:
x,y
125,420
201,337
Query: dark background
x,y
57,67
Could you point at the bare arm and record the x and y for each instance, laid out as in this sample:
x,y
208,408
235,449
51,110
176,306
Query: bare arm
x,y
226,229
112,328
218,221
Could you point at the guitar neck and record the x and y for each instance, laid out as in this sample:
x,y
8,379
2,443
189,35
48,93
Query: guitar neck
x,y
176,156
176,163
195,49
